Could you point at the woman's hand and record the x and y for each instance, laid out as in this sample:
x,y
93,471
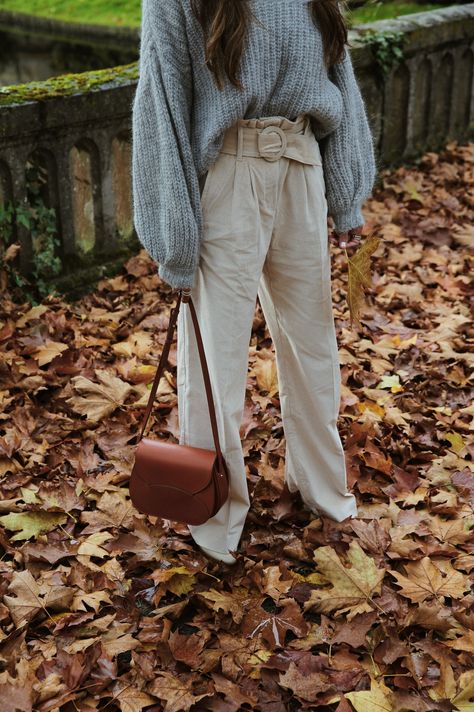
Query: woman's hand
x,y
351,238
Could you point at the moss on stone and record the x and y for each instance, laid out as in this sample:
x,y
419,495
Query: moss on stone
x,y
68,84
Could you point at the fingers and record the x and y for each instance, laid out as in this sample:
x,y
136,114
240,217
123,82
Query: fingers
x,y
343,240
348,239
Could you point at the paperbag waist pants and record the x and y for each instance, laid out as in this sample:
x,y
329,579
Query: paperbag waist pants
x,y
265,233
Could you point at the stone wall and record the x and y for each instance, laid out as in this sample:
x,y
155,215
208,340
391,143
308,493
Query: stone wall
x,y
77,129
428,98
80,141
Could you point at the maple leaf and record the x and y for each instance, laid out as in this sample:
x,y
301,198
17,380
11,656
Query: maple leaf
x,y
17,693
462,701
233,603
464,642
130,698
454,531
113,509
273,627
177,692
139,344
274,585
266,372
425,579
445,688
352,587
33,313
97,400
31,524
354,631
305,684
410,426
378,699
45,354
244,654
26,602
188,648
93,599
178,579
232,693
92,545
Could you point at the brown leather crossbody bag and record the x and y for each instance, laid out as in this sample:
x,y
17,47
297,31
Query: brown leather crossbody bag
x,y
173,481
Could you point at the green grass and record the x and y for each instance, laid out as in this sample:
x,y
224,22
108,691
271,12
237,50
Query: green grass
x,y
121,13
127,12
377,11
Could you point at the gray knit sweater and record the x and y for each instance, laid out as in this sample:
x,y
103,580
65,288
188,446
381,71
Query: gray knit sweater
x,y
179,117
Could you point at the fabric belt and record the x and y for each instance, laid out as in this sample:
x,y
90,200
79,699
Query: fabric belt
x,y
296,141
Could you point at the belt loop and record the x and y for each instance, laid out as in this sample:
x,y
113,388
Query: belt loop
x,y
240,141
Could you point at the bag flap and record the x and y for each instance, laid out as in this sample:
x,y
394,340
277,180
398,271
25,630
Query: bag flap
x,y
164,463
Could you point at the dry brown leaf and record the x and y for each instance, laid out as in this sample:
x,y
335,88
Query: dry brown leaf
x,y
426,579
359,277
97,400
45,354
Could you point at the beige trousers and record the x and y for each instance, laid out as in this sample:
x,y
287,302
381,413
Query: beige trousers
x,y
265,233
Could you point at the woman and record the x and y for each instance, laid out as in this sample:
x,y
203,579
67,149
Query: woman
x,y
256,103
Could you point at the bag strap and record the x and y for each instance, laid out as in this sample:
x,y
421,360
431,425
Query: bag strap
x,y
186,297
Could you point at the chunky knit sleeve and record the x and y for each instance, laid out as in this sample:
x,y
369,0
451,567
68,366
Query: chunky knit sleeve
x,y
348,152
165,187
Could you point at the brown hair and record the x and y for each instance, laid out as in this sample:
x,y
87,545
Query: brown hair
x,y
225,24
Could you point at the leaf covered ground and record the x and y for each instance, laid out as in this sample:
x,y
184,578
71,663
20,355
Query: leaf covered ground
x,y
104,608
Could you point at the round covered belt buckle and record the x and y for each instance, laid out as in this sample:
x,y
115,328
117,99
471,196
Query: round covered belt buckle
x,y
264,150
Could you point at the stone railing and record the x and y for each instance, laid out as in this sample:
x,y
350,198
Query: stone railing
x,y
76,128
427,99
80,142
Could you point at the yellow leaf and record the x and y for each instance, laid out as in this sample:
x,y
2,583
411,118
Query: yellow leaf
x,y
372,407
266,375
457,443
178,579
92,545
29,496
378,699
359,274
31,524
392,382
256,660
352,587
411,189
466,687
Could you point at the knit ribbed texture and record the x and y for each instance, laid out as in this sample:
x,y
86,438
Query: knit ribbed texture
x,y
179,117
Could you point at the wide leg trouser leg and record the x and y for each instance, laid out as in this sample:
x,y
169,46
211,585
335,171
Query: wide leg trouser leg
x,y
295,295
224,296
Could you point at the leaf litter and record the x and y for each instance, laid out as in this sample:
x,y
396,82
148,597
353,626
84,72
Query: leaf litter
x,y
104,608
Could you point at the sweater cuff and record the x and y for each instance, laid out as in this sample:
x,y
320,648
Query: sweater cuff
x,y
177,277
344,220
